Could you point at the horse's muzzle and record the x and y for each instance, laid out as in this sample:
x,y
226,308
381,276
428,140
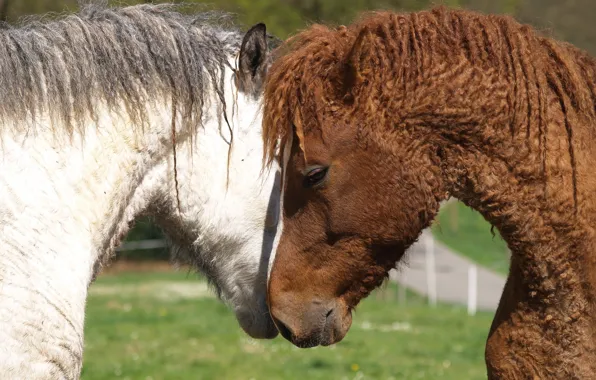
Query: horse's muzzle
x,y
319,323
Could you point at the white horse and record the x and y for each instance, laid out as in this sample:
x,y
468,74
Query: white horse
x,y
109,114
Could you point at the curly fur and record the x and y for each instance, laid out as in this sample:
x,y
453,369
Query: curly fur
x,y
474,106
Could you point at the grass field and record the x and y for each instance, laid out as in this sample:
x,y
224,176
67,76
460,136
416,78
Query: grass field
x,y
168,326
465,231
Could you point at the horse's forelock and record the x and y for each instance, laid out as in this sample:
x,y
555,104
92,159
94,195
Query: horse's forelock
x,y
294,93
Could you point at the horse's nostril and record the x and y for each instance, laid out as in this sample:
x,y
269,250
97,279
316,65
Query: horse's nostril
x,y
283,329
329,313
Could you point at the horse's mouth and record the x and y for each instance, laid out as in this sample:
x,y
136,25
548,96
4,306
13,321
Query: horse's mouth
x,y
330,330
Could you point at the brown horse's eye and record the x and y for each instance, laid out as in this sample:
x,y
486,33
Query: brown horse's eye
x,y
315,177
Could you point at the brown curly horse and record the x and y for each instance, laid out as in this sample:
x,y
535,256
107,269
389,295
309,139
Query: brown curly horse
x,y
380,121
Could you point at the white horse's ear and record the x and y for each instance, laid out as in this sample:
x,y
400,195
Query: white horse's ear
x,y
253,59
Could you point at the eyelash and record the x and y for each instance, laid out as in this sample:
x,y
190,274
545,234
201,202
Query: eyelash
x,y
315,177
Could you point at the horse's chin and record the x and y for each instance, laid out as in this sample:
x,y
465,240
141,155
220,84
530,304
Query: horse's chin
x,y
261,327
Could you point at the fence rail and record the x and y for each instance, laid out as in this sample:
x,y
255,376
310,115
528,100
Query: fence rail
x,y
426,251
142,244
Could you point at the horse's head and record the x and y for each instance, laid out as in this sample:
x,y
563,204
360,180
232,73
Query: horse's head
x,y
228,206
355,194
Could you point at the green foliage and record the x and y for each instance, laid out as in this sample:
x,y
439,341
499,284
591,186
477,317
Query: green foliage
x,y
142,230
18,8
282,17
136,331
568,20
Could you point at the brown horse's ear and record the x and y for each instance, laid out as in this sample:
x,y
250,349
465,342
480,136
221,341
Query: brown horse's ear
x,y
355,65
253,60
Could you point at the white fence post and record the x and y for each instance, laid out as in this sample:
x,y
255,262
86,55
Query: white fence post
x,y
431,276
472,289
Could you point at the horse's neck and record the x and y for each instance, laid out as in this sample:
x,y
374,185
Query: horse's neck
x,y
518,168
513,141
202,170
552,280
516,142
82,191
525,167
60,207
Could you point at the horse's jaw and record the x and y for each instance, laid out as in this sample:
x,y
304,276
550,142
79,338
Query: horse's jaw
x,y
228,211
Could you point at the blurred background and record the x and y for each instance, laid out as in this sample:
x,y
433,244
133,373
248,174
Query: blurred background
x,y
570,20
147,321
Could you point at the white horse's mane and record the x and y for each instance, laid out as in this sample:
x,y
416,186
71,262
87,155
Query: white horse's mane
x,y
125,57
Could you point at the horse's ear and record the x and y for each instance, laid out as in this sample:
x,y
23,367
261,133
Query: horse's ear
x,y
253,59
355,65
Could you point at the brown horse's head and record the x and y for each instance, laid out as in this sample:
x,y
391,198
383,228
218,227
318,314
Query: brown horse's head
x,y
357,190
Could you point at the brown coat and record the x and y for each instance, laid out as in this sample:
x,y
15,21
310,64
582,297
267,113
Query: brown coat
x,y
401,111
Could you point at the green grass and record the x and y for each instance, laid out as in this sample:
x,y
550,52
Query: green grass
x,y
135,332
465,231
